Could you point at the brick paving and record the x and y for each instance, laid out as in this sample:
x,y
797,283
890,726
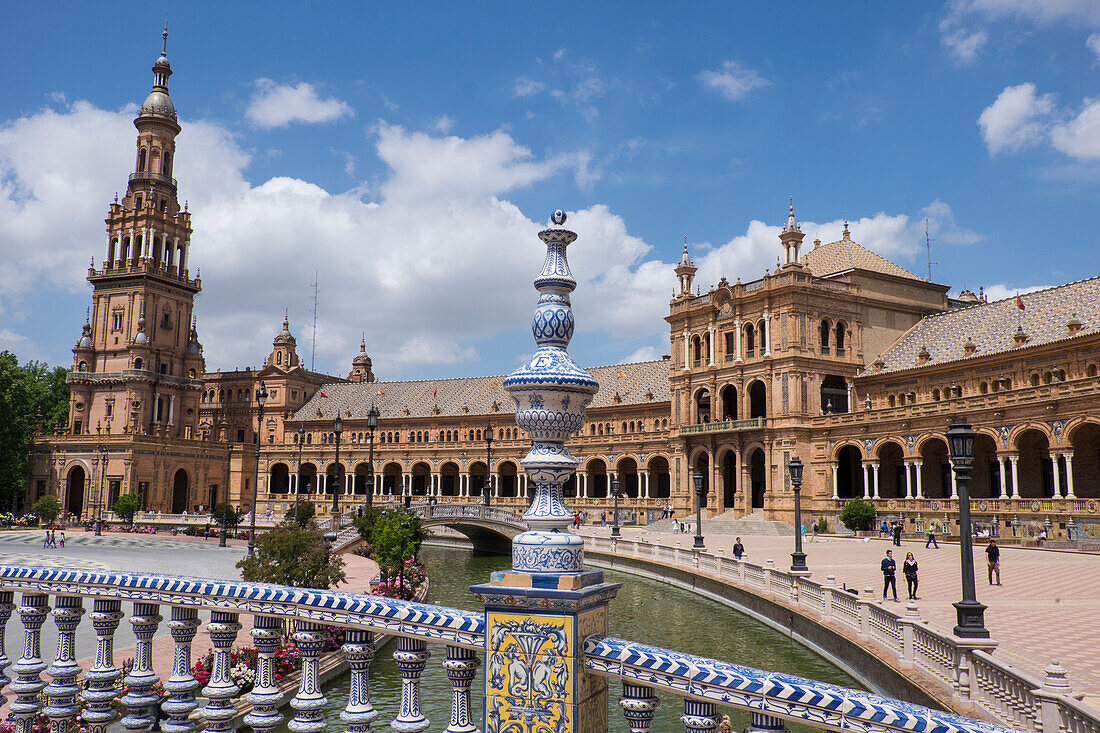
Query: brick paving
x,y
1048,606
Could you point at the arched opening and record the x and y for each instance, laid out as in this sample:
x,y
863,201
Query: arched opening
x,y
166,165
935,469
985,478
750,340
702,406
280,479
421,479
1034,467
758,477
569,488
143,156
332,483
179,492
826,332
628,478
391,479
849,473
891,471
834,394
361,483
597,479
1085,440
706,348
660,480
507,479
841,329
448,481
758,399
728,467
701,468
477,478
307,479
729,402
74,491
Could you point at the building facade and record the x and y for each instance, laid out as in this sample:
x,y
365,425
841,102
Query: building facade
x,y
838,357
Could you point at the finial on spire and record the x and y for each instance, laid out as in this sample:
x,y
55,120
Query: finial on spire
x,y
164,47
363,342
88,314
558,218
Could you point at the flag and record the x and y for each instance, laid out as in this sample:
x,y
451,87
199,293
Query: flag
x,y
323,394
493,385
381,392
1020,302
435,392
622,375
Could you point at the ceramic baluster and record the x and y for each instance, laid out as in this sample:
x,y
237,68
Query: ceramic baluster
x,y
28,682
103,675
639,704
411,657
359,651
265,696
461,665
6,607
141,700
182,684
221,689
699,716
760,723
61,693
309,701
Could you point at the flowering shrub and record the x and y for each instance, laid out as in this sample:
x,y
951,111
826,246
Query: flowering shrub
x,y
364,550
8,519
242,664
404,586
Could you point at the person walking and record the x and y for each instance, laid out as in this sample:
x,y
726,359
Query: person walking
x,y
738,549
931,536
62,539
889,575
993,557
909,569
46,540
897,534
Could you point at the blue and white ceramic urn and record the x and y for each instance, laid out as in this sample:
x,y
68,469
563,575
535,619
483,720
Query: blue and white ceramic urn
x,y
551,393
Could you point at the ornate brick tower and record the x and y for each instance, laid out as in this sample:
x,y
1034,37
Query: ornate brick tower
x,y
137,366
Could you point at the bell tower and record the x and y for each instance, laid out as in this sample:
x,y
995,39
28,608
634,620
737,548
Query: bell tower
x,y
685,273
138,366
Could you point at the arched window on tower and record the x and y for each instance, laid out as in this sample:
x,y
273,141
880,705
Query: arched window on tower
x,y
278,357
826,329
841,329
166,164
750,340
142,155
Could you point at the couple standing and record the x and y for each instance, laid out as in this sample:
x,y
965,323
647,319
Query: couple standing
x,y
889,571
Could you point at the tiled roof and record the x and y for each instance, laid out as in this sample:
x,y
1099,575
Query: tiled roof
x,y
475,395
843,255
991,326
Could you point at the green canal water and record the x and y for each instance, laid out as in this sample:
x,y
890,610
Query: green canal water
x,y
644,611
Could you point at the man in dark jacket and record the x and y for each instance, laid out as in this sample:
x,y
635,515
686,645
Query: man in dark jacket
x,y
889,579
993,555
897,534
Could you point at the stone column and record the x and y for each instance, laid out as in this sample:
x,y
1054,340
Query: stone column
x,y
737,330
834,469
767,335
954,486
1069,475
687,354
710,355
1057,475
1002,464
1013,459
908,479
874,478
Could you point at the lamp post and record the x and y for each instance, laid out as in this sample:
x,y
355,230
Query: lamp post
x,y
337,429
225,501
615,509
298,477
261,398
372,423
798,557
698,479
488,464
970,613
99,502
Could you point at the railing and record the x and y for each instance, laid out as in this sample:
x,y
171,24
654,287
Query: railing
x,y
964,669
702,683
725,426
150,176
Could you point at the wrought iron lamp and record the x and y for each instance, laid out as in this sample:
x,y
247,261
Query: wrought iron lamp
x,y
488,465
298,477
969,613
337,430
102,478
798,557
372,424
615,508
261,399
698,479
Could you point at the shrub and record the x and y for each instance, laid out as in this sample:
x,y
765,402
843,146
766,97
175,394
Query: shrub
x,y
858,515
822,525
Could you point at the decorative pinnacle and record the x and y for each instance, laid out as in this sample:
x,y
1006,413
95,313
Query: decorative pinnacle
x,y
164,47
558,218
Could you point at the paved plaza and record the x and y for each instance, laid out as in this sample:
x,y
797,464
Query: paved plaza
x,y
1048,606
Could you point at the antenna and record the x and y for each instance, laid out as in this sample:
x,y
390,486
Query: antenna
x,y
313,349
928,249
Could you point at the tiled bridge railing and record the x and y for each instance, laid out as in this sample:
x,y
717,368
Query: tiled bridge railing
x,y
970,674
703,684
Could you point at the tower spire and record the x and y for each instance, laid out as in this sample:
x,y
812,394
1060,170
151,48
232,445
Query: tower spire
x,y
791,235
164,46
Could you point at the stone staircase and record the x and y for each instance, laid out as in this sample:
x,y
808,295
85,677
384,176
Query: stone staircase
x,y
728,524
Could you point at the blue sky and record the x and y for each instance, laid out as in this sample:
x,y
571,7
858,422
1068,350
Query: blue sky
x,y
408,153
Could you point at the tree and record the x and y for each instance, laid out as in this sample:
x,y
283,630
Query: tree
x,y
306,510
858,515
226,516
365,524
295,556
396,538
126,507
47,509
24,391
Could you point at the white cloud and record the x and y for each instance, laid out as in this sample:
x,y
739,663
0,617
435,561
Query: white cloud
x,y
645,353
1093,44
732,81
1015,119
1080,137
277,105
964,44
1001,291
444,124
525,87
1045,11
20,345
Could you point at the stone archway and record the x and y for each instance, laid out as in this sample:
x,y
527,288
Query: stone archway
x,y
849,473
758,477
391,479
448,480
1034,467
280,479
507,480
660,479
728,471
74,490
477,478
180,491
935,470
362,483
702,406
307,479
891,471
1085,439
729,402
597,479
421,479
985,478
627,471
758,399
702,468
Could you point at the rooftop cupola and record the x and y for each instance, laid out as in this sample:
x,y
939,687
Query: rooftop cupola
x,y
361,364
158,103
685,272
791,237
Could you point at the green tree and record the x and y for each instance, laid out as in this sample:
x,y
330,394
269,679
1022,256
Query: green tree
x,y
396,537
24,391
295,556
47,509
858,515
126,507
226,516
306,511
365,524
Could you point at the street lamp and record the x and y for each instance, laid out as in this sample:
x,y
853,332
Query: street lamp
x,y
798,557
698,479
261,398
970,613
298,478
338,429
99,503
488,464
372,423
615,509
225,501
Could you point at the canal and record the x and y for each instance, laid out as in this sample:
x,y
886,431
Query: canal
x,y
644,611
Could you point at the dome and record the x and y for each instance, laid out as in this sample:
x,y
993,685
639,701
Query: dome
x,y
158,103
85,341
361,359
141,338
285,337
